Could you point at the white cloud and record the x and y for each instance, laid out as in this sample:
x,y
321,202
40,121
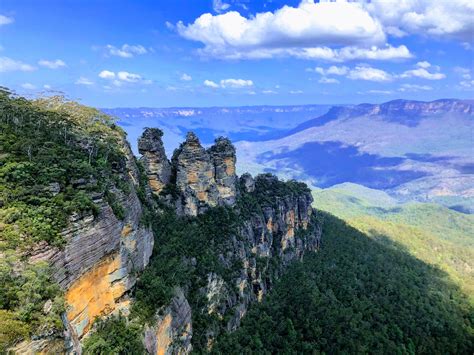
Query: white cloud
x,y
122,77
84,81
229,83
306,31
8,64
414,87
380,92
186,77
369,73
47,87
296,92
467,84
126,51
443,18
332,70
352,53
5,20
52,64
106,74
129,77
423,74
28,86
269,92
210,84
219,6
423,64
235,83
325,80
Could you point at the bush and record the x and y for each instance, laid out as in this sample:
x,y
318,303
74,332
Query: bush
x,y
114,335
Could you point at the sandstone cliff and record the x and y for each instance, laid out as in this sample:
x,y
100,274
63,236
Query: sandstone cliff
x,y
277,225
101,258
204,178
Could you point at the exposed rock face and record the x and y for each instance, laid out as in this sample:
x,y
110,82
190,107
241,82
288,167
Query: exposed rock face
x,y
204,178
194,176
158,168
173,330
247,182
283,231
102,254
223,159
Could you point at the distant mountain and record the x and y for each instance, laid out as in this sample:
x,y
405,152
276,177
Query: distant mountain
x,y
251,123
408,112
411,149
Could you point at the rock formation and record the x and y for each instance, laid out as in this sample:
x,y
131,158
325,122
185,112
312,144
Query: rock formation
x,y
204,178
102,255
223,159
158,168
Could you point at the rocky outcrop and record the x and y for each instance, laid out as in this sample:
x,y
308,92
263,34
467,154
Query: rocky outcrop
x,y
158,168
172,332
203,178
194,176
223,159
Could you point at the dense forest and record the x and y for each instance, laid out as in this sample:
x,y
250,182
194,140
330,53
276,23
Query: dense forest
x,y
357,295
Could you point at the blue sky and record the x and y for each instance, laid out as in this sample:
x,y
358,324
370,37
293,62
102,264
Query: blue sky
x,y
216,53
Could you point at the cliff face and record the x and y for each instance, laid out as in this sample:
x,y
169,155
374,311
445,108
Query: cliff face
x,y
102,255
277,225
105,252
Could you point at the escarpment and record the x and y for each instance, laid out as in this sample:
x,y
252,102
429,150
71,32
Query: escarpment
x,y
103,254
268,224
181,248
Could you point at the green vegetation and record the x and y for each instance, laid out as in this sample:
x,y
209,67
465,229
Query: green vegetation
x,y
186,251
54,154
435,234
358,294
114,335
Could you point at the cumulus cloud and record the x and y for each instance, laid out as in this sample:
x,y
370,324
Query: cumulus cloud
x,y
211,84
236,83
126,51
52,64
84,81
369,74
229,83
122,77
7,64
5,20
422,72
106,74
269,92
332,70
186,77
307,31
451,18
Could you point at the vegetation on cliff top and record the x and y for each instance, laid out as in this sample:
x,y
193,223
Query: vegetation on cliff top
x,y
54,154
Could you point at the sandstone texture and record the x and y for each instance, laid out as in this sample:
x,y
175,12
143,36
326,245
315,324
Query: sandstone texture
x,y
157,166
